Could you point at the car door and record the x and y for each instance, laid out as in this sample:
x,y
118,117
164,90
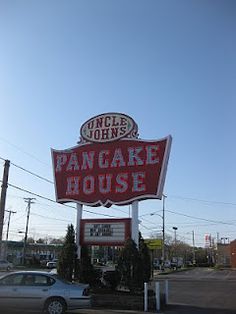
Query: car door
x,y
35,290
10,291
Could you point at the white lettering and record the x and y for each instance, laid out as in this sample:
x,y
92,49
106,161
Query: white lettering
x,y
152,154
72,186
121,179
88,160
118,159
138,182
73,163
61,160
104,181
102,160
134,159
88,185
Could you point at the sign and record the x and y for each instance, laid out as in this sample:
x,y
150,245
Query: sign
x,y
207,240
108,127
153,244
113,167
106,232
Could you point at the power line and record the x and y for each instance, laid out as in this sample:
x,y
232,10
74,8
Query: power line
x,y
171,196
198,218
204,201
106,215
21,150
32,173
28,171
51,200
52,218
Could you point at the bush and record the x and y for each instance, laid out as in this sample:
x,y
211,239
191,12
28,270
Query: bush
x,y
111,279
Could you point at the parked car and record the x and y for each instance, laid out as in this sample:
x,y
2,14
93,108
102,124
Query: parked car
x,y
5,265
167,264
42,291
156,263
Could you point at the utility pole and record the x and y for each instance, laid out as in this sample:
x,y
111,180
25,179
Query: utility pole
x,y
3,200
8,225
163,229
29,201
194,256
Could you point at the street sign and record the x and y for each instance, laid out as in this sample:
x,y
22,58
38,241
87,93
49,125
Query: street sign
x,y
154,244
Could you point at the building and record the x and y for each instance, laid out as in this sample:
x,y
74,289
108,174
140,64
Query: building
x,y
35,252
233,253
223,255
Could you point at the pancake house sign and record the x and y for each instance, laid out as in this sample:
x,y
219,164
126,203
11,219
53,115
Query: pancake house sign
x,y
110,164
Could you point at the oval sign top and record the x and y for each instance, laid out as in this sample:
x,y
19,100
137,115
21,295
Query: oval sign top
x,y
108,127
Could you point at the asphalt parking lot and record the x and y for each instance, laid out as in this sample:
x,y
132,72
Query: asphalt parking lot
x,y
195,291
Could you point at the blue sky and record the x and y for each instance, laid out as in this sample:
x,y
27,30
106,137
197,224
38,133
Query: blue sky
x,y
170,65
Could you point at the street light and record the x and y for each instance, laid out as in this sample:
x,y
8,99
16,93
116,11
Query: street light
x,y
163,228
175,229
24,244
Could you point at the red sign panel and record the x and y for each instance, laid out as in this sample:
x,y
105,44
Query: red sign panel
x,y
111,173
107,232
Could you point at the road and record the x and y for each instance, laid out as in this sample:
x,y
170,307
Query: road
x,y
208,290
196,291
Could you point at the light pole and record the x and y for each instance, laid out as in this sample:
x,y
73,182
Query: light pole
x,y
163,229
175,229
176,257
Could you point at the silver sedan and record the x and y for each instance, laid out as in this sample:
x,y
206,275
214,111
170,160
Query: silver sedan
x,y
41,291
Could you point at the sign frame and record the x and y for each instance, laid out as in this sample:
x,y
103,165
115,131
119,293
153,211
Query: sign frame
x,y
127,228
108,202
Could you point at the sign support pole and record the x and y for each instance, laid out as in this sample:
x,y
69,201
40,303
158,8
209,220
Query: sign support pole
x,y
135,221
79,216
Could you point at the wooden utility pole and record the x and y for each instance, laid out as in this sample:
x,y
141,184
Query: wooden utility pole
x,y
29,201
3,200
8,226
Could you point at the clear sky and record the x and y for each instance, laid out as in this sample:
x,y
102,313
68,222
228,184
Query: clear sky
x,y
170,65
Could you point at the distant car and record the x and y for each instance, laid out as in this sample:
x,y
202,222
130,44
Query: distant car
x,y
41,291
167,264
51,265
5,265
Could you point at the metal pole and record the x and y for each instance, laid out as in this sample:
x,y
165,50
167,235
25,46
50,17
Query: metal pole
x,y
3,200
135,235
194,257
79,217
166,292
175,228
163,229
145,296
158,303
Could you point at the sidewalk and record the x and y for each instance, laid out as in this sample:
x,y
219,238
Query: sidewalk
x,y
170,309
109,311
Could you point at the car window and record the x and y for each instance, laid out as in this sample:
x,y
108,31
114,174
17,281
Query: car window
x,y
38,280
12,280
